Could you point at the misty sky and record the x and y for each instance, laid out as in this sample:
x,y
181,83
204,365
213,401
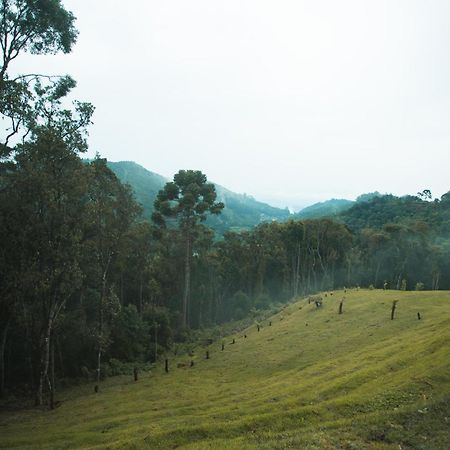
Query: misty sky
x,y
289,101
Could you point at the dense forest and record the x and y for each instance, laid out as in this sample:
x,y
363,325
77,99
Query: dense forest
x,y
89,283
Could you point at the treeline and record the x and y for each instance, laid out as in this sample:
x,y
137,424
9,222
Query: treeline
x,y
87,285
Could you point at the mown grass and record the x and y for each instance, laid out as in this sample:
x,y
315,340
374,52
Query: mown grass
x,y
312,380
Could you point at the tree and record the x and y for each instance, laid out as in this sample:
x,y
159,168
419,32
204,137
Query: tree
x,y
187,200
36,26
39,27
110,212
49,188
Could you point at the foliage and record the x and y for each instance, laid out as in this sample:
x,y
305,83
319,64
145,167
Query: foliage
x,y
31,101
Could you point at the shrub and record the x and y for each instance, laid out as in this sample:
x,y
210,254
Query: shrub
x,y
420,286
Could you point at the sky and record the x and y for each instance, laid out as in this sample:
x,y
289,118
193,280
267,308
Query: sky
x,y
290,101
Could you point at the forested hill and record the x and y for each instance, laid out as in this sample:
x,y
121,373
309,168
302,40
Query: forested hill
x,y
145,184
241,211
372,210
407,210
333,208
328,208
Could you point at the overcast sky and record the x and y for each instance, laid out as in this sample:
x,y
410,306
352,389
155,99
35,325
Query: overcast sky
x,y
289,101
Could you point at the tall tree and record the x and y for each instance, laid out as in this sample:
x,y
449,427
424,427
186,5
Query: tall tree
x,y
187,201
110,212
39,27
49,188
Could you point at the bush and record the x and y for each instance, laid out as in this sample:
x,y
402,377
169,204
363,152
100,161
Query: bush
x,y
262,301
115,367
420,286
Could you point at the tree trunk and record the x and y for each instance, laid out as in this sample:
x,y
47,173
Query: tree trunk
x,y
156,341
52,374
2,360
435,281
377,271
141,288
398,281
100,331
99,364
122,300
45,358
61,359
187,282
99,350
296,271
29,350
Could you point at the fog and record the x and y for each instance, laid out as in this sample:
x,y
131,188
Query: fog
x,y
290,101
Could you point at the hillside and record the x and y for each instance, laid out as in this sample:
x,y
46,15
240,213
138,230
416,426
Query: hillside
x,y
328,208
312,380
334,207
145,184
241,211
387,209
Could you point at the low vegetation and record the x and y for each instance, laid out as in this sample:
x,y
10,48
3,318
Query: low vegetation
x,y
310,378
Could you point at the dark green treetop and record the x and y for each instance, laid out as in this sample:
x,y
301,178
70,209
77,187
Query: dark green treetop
x,y
188,199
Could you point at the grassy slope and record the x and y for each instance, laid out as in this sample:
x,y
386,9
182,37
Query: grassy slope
x,y
313,380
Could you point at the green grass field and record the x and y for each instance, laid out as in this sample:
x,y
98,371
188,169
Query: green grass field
x,y
312,380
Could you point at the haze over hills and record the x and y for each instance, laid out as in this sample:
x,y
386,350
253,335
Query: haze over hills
x,y
328,208
241,211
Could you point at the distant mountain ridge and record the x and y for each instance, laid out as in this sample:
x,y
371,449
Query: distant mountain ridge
x,y
328,208
241,211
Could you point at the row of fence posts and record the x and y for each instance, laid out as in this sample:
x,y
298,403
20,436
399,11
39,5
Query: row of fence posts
x,y
258,327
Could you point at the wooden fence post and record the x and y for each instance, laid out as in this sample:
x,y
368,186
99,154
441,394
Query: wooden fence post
x,y
394,305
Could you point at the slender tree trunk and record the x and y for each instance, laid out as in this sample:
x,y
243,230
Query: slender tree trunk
x,y
101,318
398,281
52,374
376,274
2,360
99,363
435,281
100,339
122,300
29,349
61,359
187,282
156,341
45,359
296,271
140,294
349,270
